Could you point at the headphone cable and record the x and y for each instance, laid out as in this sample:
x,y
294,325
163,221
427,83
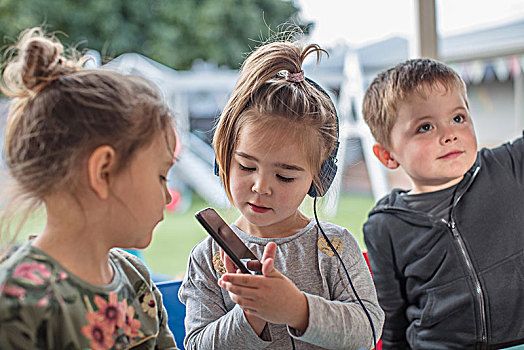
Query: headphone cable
x,y
346,271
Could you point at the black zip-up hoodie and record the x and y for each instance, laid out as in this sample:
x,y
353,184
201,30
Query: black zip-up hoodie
x,y
456,284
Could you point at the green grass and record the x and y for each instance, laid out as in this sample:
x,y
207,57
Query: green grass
x,y
179,232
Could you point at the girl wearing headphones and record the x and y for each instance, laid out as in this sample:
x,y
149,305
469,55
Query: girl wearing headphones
x,y
275,142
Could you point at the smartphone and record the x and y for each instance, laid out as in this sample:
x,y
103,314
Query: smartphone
x,y
233,246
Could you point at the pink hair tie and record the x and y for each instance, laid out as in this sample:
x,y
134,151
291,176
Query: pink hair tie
x,y
295,77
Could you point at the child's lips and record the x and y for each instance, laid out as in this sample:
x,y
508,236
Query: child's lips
x,y
258,208
452,154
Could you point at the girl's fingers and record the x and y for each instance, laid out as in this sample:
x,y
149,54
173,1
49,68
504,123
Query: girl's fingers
x,y
243,302
228,263
254,265
244,291
268,267
242,279
269,251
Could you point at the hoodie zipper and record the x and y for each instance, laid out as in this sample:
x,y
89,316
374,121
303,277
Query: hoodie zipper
x,y
478,289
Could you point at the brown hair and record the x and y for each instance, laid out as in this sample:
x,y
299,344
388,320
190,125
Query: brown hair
x,y
393,86
264,97
60,114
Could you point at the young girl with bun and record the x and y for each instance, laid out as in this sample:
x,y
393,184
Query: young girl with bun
x,y
94,148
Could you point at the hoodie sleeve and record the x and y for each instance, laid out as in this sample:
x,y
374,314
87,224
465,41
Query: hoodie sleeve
x,y
388,282
510,157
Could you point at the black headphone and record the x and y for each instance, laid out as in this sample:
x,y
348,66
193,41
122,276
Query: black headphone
x,y
328,170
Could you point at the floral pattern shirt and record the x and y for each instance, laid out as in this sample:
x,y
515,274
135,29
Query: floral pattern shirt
x,y
44,306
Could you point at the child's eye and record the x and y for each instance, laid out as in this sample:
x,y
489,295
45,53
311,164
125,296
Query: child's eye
x,y
285,179
245,168
458,119
425,128
163,178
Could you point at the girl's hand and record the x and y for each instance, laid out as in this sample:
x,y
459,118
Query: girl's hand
x,y
228,263
256,323
271,297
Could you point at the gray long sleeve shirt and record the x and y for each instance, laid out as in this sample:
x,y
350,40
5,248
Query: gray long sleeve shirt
x,y
336,319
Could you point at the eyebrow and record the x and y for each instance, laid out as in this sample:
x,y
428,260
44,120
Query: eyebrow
x,y
453,110
279,165
460,108
417,120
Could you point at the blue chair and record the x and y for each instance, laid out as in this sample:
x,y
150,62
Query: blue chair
x,y
176,311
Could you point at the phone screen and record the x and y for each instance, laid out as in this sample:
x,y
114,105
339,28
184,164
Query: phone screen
x,y
233,246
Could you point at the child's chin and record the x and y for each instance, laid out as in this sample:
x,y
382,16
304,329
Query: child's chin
x,y
145,242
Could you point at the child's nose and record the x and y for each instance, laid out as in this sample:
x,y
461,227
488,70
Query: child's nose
x,y
261,186
448,135
169,198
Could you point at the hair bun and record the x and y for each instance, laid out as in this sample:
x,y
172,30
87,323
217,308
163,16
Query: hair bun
x,y
35,61
42,62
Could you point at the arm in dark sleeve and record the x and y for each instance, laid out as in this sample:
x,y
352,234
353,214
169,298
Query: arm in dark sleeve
x,y
389,285
509,156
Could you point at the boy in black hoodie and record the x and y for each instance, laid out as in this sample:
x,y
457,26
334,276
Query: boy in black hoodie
x,y
447,255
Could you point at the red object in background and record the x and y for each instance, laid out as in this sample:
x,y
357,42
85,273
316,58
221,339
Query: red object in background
x,y
175,199
365,253
175,195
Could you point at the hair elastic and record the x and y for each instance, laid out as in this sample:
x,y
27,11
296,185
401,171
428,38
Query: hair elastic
x,y
295,77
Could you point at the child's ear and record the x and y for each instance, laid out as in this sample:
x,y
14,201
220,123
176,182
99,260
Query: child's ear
x,y
384,156
100,165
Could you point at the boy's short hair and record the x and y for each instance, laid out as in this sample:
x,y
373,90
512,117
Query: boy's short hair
x,y
395,85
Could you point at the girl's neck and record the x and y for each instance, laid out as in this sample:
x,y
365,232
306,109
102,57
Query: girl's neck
x,y
76,240
84,258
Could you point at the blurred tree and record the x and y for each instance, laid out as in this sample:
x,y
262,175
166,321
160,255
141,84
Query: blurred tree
x,y
173,32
